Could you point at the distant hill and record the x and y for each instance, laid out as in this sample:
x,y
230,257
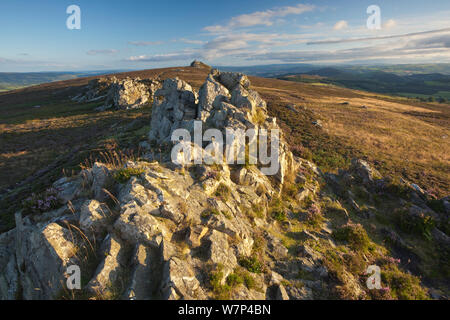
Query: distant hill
x,y
331,73
276,70
417,80
272,70
432,86
17,80
405,69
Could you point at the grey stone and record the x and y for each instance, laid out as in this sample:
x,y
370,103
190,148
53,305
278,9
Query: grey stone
x,y
94,217
111,271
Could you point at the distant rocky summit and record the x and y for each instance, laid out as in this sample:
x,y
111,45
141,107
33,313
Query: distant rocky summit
x,y
199,64
150,229
119,94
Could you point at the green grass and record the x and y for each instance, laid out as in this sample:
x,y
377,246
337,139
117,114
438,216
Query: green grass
x,y
223,192
223,291
314,217
279,215
403,286
421,225
123,175
234,280
252,264
241,276
355,235
209,212
277,209
220,291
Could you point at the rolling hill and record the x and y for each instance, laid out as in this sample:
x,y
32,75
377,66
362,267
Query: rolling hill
x,y
432,86
45,135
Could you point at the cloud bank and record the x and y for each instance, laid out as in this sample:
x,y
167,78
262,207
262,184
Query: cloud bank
x,y
259,18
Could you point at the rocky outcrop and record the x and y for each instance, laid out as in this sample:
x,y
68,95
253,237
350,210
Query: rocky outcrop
x,y
194,231
174,108
93,217
364,171
43,254
224,102
119,94
130,94
157,235
199,64
96,90
9,276
111,272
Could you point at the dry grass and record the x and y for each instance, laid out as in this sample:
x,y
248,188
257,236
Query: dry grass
x,y
30,146
61,145
385,132
400,136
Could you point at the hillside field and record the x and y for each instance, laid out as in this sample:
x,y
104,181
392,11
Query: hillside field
x,y
44,133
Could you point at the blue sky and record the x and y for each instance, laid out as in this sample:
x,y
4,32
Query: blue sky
x,y
146,34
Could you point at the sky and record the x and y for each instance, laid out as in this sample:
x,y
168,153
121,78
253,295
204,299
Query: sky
x,y
139,34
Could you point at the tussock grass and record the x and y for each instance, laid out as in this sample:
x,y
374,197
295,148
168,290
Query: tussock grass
x,y
223,192
123,175
395,134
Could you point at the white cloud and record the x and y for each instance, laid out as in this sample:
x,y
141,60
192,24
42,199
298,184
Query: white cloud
x,y
189,41
145,43
438,41
407,35
227,45
420,47
102,52
423,47
216,29
391,23
264,18
239,47
313,26
340,25
164,57
232,44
